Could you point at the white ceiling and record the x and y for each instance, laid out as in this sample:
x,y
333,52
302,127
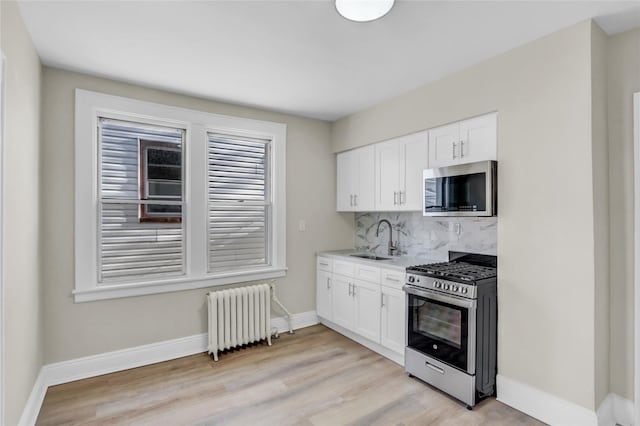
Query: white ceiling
x,y
295,56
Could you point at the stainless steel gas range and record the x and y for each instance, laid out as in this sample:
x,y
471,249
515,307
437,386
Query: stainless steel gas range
x,y
452,325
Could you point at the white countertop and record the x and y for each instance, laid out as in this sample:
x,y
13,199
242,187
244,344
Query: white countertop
x,y
395,262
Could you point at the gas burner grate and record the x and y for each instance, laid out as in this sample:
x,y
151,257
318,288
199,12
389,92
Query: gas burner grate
x,y
459,270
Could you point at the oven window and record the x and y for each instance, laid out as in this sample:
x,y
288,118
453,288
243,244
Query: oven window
x,y
440,322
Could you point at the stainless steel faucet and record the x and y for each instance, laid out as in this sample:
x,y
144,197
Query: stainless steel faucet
x,y
392,247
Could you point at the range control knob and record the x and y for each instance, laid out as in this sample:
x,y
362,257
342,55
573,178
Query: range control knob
x,y
437,284
412,278
446,286
454,288
464,290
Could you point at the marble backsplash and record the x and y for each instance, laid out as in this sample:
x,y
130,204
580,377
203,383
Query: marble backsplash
x,y
430,237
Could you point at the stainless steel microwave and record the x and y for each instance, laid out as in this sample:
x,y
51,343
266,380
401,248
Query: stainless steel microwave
x,y
461,190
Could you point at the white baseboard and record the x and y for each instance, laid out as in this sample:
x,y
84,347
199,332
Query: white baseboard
x,y
301,320
32,408
615,410
622,410
542,405
110,362
606,415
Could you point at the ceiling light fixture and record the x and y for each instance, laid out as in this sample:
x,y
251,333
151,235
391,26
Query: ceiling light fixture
x,y
363,10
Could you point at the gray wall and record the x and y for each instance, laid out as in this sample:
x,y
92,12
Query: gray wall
x,y
542,92
75,330
623,76
23,302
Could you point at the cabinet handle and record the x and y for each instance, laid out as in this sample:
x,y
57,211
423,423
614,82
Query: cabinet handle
x,y
382,300
395,196
324,264
392,279
461,149
351,200
328,283
355,200
453,148
349,289
353,292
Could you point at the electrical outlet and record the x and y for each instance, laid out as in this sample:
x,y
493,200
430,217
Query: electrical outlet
x,y
302,225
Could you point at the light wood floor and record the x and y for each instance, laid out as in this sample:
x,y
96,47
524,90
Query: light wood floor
x,y
315,377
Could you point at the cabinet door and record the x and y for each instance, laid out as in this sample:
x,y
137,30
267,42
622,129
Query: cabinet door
x,y
388,175
367,310
345,178
393,312
323,295
478,139
343,312
415,152
365,179
443,145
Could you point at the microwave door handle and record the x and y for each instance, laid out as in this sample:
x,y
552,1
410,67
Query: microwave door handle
x,y
443,192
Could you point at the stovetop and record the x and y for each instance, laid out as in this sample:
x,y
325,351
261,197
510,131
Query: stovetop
x,y
454,270
460,276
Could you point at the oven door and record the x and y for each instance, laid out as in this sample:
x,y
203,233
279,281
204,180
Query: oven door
x,y
442,326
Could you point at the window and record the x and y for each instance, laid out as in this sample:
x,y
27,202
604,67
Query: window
x,y
160,179
238,202
140,192
170,199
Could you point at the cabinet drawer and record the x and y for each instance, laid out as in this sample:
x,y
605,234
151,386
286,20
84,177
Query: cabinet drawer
x,y
392,278
368,273
344,268
324,264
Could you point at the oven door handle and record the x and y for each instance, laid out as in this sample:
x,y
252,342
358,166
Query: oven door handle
x,y
450,299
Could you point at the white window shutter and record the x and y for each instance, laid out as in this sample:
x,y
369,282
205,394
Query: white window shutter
x,y
239,202
129,248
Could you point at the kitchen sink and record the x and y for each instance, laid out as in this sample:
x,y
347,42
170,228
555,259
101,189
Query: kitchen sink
x,y
369,256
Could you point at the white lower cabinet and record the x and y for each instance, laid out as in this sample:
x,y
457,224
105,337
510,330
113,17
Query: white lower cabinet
x,y
365,300
392,315
343,311
324,299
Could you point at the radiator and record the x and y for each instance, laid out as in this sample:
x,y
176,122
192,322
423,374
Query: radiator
x,y
239,316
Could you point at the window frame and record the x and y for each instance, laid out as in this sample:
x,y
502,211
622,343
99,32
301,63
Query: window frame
x,y
197,124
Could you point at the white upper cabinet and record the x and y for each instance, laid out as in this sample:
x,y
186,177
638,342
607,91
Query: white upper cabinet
x,y
399,166
443,144
345,181
467,141
387,176
355,180
416,159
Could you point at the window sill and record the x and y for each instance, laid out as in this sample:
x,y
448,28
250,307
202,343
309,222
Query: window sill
x,y
104,292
